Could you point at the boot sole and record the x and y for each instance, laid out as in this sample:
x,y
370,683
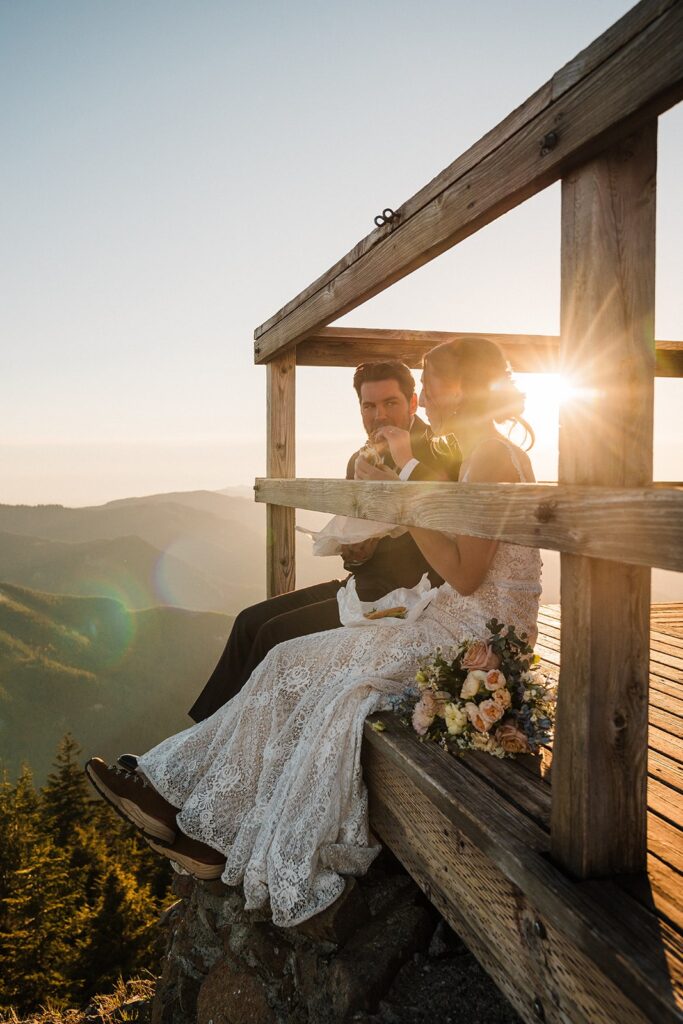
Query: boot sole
x,y
197,868
151,828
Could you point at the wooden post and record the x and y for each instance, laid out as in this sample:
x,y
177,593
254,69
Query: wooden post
x,y
281,568
607,350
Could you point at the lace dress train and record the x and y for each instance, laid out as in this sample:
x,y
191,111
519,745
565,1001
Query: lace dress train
x,y
273,779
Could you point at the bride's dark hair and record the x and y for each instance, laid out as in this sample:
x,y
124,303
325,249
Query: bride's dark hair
x,y
482,370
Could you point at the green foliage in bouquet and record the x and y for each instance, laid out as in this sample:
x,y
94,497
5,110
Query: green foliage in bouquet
x,y
485,694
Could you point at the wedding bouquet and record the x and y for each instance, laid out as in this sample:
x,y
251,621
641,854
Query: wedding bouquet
x,y
486,694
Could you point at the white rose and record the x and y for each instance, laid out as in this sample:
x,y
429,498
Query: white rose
x,y
470,688
456,719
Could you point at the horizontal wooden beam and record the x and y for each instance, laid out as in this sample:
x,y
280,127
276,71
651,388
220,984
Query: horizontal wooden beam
x,y
641,526
527,353
633,72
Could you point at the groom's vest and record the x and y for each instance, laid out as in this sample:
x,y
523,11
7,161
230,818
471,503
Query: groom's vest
x,y
398,562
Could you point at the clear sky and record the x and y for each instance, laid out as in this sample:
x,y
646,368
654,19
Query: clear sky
x,y
172,173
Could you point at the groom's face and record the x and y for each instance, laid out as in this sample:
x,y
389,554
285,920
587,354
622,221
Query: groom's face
x,y
383,404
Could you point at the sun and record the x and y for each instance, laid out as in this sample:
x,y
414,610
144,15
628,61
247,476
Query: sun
x,y
545,394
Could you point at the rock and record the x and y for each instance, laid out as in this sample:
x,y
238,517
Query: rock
x,y
379,955
340,920
171,915
230,995
182,885
361,973
445,942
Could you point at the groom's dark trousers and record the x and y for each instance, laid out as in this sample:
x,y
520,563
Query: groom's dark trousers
x,y
396,563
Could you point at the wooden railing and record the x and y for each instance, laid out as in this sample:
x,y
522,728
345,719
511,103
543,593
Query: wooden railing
x,y
594,126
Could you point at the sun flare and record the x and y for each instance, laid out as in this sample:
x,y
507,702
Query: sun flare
x,y
545,394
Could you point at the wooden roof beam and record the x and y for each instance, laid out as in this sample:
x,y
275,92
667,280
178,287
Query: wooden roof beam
x,y
527,353
631,73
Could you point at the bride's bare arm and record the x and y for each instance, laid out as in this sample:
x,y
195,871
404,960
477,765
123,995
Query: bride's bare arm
x,y
464,561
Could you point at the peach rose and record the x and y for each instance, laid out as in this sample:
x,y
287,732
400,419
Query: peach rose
x,y
473,681
476,718
491,711
434,701
502,697
422,718
476,654
493,660
511,739
494,680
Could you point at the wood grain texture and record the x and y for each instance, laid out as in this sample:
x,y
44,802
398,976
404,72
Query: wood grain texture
x,y
280,522
599,814
631,82
493,885
641,526
526,353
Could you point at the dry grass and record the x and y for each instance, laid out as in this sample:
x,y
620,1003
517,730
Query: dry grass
x,y
114,1008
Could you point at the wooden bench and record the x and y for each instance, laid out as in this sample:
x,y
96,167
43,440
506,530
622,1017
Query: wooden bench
x,y
475,833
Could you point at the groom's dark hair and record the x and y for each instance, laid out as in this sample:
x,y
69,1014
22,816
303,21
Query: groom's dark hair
x,y
389,369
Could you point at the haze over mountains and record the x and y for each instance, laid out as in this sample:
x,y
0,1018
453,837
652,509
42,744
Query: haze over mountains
x,y
112,617
199,549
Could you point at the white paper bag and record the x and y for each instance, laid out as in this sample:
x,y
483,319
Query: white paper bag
x,y
345,530
413,599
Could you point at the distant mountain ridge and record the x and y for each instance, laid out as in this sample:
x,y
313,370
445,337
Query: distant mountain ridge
x,y
118,680
202,550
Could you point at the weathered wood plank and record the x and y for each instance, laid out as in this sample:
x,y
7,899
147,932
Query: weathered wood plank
x,y
668,723
666,841
428,809
526,353
280,522
667,802
637,80
599,815
661,765
666,743
659,891
642,526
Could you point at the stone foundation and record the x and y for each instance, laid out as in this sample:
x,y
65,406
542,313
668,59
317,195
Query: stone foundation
x,y
227,966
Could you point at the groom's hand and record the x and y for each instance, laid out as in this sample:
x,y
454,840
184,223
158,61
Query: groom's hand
x,y
366,471
399,443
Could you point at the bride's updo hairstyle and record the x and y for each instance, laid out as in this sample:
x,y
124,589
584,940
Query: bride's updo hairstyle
x,y
483,373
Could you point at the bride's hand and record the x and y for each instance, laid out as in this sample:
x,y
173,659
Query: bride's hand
x,y
366,471
399,444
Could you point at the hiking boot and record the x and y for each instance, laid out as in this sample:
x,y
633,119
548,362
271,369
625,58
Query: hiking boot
x,y
128,762
200,860
134,799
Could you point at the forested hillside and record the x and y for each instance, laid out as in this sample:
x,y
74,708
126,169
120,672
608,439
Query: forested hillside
x,y
117,679
80,893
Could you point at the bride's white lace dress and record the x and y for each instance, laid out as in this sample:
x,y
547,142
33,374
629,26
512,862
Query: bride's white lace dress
x,y
273,779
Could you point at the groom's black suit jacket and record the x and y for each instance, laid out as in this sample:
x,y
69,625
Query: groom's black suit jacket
x,y
395,563
398,562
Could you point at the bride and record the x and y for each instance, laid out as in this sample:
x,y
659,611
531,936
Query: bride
x,y
268,792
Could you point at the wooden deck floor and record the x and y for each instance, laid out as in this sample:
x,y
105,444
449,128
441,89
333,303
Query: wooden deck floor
x,y
642,915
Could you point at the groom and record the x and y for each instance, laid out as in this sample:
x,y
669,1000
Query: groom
x,y
386,392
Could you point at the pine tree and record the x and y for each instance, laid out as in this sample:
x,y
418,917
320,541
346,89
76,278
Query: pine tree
x,y
122,936
66,798
80,891
40,906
